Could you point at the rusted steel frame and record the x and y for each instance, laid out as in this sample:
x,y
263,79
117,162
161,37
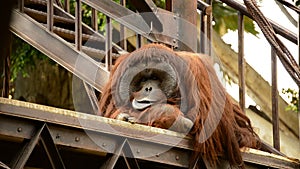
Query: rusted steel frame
x,y
108,44
22,157
93,123
50,13
58,50
67,6
138,41
78,26
122,15
275,116
277,28
241,61
50,149
21,5
123,42
101,143
94,20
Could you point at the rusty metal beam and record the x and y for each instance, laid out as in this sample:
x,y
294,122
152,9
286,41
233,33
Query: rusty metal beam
x,y
23,156
58,50
101,135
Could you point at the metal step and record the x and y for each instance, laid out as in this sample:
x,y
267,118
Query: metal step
x,y
60,51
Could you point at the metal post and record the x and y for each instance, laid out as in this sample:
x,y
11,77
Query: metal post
x,y
123,44
6,66
94,19
203,29
108,44
21,5
275,116
78,26
50,13
67,5
299,64
209,28
186,11
241,61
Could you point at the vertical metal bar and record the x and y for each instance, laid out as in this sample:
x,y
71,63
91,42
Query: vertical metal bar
x,y
108,44
138,41
50,13
209,29
67,5
187,11
6,67
275,116
241,61
169,5
299,65
78,26
21,5
123,31
22,157
203,33
94,19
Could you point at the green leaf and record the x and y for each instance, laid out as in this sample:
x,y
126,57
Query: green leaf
x,y
226,18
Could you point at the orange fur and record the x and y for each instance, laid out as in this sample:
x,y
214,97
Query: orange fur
x,y
205,99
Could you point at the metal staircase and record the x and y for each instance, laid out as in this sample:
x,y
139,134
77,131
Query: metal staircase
x,y
37,136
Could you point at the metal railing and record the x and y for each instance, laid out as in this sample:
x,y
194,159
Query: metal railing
x,y
114,11
242,11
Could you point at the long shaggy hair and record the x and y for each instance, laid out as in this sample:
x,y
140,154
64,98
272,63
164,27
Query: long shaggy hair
x,y
220,127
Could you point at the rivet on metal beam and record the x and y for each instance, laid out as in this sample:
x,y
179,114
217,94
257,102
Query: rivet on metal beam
x,y
77,139
138,150
57,136
177,157
19,129
103,144
157,155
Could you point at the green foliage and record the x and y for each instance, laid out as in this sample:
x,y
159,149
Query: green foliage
x,y
22,55
226,18
294,99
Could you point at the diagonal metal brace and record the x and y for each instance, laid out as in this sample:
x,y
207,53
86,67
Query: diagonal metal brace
x,y
123,150
22,157
51,149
